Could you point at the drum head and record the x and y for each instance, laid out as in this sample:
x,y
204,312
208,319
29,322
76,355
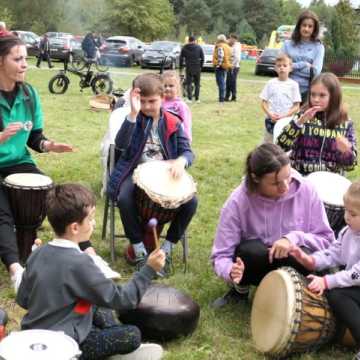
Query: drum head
x,y
39,345
279,126
272,311
26,180
154,178
331,187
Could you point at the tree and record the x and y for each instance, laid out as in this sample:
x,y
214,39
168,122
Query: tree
x,y
246,33
6,16
196,15
146,19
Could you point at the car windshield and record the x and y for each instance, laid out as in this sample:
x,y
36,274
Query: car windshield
x,y
208,50
58,41
113,42
270,52
161,46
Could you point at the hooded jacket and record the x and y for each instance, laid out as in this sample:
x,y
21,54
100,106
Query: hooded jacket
x,y
132,139
299,216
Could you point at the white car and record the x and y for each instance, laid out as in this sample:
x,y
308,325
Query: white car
x,y
208,57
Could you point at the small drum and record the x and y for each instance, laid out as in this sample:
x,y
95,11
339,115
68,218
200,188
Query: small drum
x,y
331,188
158,195
279,127
39,345
286,317
27,194
164,313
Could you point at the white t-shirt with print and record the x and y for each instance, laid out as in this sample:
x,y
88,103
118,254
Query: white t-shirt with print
x,y
281,95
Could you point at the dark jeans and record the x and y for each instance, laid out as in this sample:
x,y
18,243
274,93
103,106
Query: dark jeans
x,y
45,57
107,337
193,76
345,303
255,256
132,223
231,83
8,245
220,75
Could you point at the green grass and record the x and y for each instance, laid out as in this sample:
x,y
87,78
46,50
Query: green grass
x,y
222,136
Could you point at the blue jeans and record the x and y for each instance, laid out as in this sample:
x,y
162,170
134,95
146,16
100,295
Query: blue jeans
x,y
220,75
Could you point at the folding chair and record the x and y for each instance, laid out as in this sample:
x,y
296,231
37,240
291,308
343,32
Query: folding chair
x,y
110,206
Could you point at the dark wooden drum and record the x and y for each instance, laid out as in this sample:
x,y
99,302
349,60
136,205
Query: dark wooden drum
x,y
163,314
27,195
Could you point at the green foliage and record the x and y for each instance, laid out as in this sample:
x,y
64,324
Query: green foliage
x,y
146,19
195,15
246,33
7,16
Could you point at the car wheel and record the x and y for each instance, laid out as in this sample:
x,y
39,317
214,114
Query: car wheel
x,y
257,71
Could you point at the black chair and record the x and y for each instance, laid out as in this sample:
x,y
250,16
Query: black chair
x,y
109,214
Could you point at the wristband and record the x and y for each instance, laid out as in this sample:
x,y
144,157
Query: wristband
x,y
42,146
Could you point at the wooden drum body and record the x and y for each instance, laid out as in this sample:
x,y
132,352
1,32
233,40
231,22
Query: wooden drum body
x,y
286,317
27,198
164,313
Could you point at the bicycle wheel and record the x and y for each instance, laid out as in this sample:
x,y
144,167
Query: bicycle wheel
x,y
101,65
59,84
101,84
77,63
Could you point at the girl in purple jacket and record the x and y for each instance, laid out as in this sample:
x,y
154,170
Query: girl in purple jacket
x,y
342,289
272,210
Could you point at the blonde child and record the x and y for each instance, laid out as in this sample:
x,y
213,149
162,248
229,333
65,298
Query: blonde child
x,y
172,101
280,97
342,288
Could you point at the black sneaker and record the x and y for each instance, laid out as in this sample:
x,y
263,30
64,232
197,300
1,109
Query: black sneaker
x,y
231,297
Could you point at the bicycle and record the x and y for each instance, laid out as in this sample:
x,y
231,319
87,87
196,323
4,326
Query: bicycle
x,y
79,62
100,83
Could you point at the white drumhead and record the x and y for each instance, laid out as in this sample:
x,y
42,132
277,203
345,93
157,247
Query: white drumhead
x,y
28,180
154,178
39,345
331,187
279,126
272,311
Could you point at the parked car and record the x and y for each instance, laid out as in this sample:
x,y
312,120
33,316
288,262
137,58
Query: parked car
x,y
31,41
265,63
160,51
54,34
208,50
121,51
60,47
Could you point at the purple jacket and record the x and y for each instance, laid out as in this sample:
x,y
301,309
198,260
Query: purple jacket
x,y
344,251
299,216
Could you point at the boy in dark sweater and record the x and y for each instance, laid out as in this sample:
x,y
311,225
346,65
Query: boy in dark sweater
x,y
63,290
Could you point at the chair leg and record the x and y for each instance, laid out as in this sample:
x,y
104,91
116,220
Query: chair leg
x,y
112,230
105,219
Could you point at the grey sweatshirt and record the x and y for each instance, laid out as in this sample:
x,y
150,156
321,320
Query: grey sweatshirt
x,y
60,284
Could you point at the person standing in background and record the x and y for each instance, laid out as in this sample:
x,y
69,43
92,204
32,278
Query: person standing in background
x,y
231,79
193,56
44,54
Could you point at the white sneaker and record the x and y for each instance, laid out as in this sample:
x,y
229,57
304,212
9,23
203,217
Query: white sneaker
x,y
198,101
104,267
147,351
188,101
17,277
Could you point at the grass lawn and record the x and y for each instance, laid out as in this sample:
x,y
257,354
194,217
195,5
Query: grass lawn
x,y
222,136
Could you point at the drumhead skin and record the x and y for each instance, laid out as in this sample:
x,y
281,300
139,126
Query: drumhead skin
x,y
279,126
39,345
26,180
331,187
154,178
272,311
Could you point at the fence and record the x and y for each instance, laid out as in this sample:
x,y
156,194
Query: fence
x,y
344,67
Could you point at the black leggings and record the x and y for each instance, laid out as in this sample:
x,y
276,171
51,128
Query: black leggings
x,y
255,256
345,303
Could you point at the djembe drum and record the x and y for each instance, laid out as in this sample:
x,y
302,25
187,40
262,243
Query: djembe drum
x,y
163,314
39,345
286,317
158,195
331,188
27,195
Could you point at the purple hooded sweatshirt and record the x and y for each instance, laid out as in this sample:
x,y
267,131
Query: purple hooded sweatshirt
x,y
344,251
299,216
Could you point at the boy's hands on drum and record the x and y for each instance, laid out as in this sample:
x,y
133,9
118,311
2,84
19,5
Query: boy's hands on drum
x,y
317,284
10,131
343,144
156,260
302,257
280,249
135,103
237,271
177,167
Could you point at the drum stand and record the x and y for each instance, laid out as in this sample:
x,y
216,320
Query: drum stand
x,y
109,211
